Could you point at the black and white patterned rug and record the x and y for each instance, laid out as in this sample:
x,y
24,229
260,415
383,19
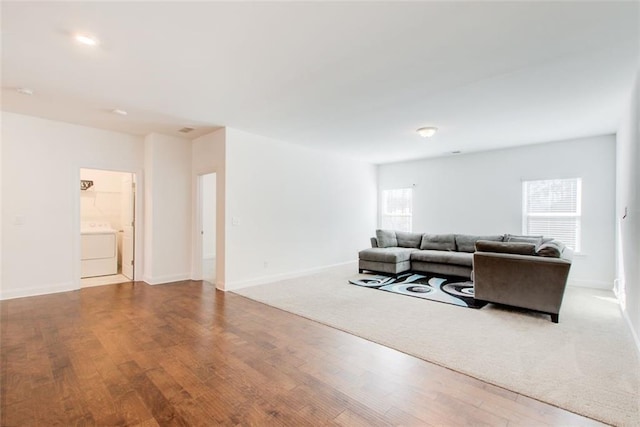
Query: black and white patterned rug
x,y
449,290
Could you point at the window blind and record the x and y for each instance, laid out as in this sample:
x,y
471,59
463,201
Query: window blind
x,y
397,209
551,208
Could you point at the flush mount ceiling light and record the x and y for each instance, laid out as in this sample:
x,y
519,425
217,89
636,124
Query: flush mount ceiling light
x,y
427,132
119,112
85,39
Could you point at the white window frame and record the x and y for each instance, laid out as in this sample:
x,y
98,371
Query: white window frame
x,y
383,207
577,214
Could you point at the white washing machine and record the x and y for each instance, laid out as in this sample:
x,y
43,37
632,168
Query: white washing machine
x,y
99,253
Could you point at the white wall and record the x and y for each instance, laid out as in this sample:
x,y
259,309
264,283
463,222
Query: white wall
x,y
167,234
294,209
208,155
41,161
482,194
1,204
628,203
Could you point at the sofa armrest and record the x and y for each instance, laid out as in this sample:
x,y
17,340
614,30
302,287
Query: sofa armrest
x,y
567,254
374,242
527,281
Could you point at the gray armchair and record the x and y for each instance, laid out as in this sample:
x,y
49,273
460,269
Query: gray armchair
x,y
527,281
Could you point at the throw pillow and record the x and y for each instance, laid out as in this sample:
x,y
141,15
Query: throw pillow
x,y
408,240
467,243
552,249
517,248
438,242
536,240
386,238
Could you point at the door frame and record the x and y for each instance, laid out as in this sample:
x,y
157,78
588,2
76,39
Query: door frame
x,y
133,194
197,273
138,252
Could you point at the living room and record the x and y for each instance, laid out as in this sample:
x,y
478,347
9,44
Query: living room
x,y
290,203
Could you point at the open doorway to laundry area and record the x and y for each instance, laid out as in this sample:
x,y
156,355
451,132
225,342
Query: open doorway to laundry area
x,y
207,211
107,227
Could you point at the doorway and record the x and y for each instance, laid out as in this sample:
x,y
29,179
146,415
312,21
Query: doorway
x,y
207,210
107,227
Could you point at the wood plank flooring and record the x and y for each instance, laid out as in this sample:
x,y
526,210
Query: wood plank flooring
x,y
186,354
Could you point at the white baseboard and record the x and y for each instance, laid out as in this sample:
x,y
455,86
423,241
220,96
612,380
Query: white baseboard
x,y
282,276
634,333
38,290
166,279
593,284
625,314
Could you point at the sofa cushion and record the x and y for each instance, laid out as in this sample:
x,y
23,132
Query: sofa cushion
x,y
536,240
519,248
408,240
444,257
467,243
552,249
439,242
386,238
392,255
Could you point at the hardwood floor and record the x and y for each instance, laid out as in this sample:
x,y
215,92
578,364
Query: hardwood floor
x,y
186,354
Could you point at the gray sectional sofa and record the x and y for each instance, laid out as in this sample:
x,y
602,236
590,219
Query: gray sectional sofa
x,y
395,252
523,271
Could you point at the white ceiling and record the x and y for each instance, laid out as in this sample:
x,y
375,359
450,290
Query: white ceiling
x,y
354,77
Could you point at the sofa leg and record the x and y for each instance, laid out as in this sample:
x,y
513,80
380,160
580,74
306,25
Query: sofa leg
x,y
554,317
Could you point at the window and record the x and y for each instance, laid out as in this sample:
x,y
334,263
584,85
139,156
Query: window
x,y
551,208
397,207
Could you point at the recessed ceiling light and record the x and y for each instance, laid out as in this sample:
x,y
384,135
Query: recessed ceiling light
x,y
86,39
119,112
24,91
427,132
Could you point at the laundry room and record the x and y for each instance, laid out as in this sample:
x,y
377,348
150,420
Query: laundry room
x,y
106,226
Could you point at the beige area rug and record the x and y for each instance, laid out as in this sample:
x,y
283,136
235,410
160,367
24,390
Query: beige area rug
x,y
586,364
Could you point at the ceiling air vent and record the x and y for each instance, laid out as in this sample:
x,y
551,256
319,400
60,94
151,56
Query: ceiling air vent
x,y
85,184
186,130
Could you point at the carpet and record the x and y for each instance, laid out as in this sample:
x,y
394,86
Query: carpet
x,y
450,290
587,363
